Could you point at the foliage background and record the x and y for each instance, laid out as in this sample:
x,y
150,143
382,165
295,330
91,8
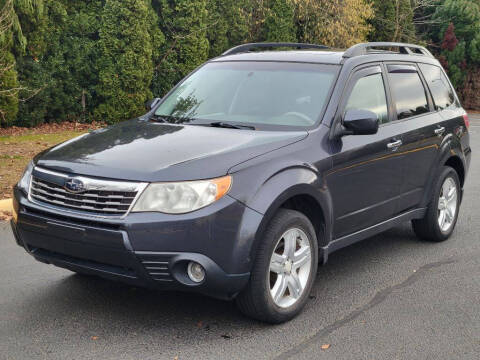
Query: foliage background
x,y
102,59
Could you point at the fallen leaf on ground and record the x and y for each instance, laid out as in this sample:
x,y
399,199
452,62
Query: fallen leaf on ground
x,y
325,346
5,215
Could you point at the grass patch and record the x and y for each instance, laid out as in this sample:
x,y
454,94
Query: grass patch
x,y
36,138
17,150
8,157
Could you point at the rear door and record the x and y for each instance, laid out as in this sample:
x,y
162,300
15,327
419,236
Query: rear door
x,y
421,128
366,177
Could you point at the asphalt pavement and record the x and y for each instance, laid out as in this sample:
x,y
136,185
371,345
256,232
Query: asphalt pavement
x,y
388,297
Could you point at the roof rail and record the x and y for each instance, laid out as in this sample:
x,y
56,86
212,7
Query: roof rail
x,y
269,45
364,49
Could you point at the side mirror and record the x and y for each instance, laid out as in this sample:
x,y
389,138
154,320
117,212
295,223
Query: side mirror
x,y
150,104
360,122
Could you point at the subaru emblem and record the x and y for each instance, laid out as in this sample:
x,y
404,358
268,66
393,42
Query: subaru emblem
x,y
74,185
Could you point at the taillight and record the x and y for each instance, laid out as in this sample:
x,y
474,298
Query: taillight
x,y
466,121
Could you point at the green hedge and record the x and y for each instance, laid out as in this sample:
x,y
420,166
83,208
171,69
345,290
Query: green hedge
x,y
102,59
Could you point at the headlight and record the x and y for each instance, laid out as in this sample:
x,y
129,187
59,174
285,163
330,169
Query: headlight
x,y
182,197
24,183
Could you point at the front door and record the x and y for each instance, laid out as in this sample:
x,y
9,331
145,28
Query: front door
x,y
365,181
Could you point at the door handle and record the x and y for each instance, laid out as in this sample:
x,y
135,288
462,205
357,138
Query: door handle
x,y
394,145
439,131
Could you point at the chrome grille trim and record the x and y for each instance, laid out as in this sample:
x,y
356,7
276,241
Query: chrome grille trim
x,y
103,198
52,192
85,195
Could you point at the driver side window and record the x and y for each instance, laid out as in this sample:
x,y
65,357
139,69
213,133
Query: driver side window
x,y
368,93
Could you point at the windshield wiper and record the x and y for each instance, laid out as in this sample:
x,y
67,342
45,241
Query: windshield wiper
x,y
226,125
157,118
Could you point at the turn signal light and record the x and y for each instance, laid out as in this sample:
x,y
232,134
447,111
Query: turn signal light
x,y
223,185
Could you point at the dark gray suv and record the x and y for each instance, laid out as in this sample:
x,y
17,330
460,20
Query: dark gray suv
x,y
253,170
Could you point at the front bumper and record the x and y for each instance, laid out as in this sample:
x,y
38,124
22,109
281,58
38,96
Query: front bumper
x,y
145,249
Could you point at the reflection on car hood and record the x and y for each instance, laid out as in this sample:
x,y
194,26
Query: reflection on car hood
x,y
148,151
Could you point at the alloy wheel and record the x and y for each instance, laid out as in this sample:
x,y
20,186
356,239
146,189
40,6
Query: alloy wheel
x,y
290,267
447,204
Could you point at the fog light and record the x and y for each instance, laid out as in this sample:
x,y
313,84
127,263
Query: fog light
x,y
195,271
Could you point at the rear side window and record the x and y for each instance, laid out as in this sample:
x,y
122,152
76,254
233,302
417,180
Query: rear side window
x,y
368,93
408,91
440,88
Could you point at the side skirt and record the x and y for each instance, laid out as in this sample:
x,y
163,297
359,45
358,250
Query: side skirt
x,y
369,232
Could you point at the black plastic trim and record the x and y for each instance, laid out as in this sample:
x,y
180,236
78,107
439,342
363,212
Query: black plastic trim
x,y
350,239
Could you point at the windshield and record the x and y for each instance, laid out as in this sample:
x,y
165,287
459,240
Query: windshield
x,y
255,93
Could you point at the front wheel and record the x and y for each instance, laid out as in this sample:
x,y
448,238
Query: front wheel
x,y
442,213
284,270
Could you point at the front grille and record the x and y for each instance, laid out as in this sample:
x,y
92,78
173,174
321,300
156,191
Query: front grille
x,y
100,202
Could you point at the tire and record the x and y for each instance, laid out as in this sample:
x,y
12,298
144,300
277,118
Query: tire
x,y
430,228
256,300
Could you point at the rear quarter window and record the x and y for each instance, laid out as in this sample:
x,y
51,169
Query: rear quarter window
x,y
442,93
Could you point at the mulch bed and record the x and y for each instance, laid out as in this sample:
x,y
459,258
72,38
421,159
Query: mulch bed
x,y
51,128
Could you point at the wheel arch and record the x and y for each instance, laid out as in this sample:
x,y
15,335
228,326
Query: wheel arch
x,y
456,163
450,155
296,189
308,206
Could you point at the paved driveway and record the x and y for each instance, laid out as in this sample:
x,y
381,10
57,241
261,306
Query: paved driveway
x,y
389,297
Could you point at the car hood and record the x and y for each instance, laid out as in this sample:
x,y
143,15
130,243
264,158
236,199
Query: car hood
x,y
142,150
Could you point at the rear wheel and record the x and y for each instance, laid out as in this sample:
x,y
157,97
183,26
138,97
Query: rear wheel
x,y
284,269
442,213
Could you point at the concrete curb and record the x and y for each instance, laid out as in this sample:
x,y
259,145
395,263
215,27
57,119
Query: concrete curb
x,y
6,205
